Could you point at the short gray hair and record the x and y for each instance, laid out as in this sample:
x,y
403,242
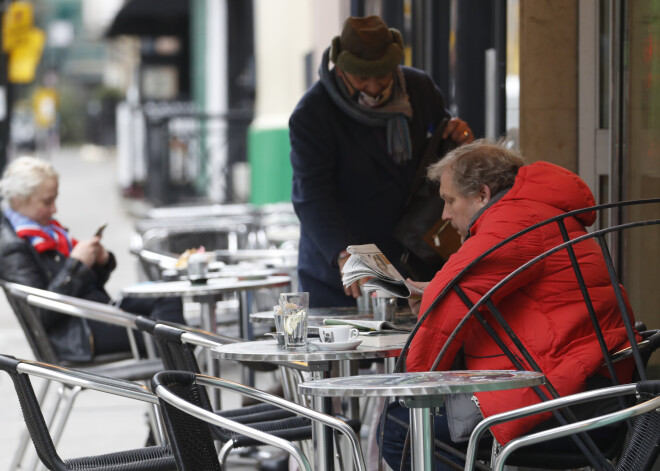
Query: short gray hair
x,y
23,176
479,163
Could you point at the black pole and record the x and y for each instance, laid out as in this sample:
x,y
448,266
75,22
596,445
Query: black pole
x,y
5,89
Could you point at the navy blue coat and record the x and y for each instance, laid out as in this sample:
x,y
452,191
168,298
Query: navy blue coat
x,y
347,190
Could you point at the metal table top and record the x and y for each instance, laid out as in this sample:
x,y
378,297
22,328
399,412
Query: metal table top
x,y
212,286
242,273
429,383
255,254
382,346
320,313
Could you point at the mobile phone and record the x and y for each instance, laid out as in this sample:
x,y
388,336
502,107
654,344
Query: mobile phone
x,y
99,231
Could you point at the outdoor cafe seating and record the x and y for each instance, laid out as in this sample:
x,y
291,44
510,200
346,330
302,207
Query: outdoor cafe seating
x,y
179,388
27,302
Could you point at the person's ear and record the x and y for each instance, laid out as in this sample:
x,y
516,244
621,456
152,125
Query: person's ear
x,y
17,202
484,194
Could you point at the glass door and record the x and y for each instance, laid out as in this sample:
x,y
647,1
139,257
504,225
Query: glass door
x,y
641,158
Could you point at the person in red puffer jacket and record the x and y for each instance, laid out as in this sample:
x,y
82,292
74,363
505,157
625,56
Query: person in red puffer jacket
x,y
490,195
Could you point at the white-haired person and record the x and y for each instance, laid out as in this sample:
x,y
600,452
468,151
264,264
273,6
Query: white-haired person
x,y
36,250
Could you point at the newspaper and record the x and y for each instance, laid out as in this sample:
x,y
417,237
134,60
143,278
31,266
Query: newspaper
x,y
369,326
367,261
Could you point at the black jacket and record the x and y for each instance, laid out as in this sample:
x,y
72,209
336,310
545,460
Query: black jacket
x,y
347,190
20,263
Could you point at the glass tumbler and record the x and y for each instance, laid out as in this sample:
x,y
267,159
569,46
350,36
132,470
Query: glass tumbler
x,y
294,311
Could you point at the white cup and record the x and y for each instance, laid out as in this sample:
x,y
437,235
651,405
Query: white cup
x,y
337,333
198,265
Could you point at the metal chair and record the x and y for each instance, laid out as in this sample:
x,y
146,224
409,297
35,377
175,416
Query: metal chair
x,y
639,454
185,419
151,458
152,264
488,315
177,344
25,302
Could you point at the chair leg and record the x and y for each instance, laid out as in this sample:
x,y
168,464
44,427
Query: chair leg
x,y
59,417
155,419
339,452
24,439
68,397
224,452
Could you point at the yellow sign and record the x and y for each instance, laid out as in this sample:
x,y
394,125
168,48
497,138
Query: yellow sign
x,y
17,23
45,106
24,58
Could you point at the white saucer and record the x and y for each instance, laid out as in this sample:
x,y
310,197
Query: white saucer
x,y
337,346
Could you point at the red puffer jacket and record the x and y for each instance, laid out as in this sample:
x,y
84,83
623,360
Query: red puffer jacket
x,y
543,305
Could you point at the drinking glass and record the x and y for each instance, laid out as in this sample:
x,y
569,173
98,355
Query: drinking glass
x,y
279,324
384,308
364,302
294,310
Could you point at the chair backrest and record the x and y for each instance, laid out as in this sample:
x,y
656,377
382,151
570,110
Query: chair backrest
x,y
185,235
486,302
191,439
180,390
455,284
494,317
28,302
33,328
147,458
178,354
153,263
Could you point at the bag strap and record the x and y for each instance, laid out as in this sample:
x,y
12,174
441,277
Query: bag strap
x,y
429,153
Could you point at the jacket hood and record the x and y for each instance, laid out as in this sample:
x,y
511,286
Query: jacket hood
x,y
550,184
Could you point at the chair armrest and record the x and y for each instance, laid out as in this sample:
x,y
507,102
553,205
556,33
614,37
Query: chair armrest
x,y
545,406
113,315
87,380
577,427
76,307
311,414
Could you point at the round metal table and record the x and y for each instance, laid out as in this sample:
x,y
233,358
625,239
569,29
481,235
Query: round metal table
x,y
316,315
318,361
420,392
384,346
208,293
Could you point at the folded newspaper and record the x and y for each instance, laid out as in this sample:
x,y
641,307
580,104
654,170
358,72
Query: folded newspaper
x,y
368,261
370,326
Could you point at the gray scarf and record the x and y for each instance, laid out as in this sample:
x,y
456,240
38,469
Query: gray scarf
x,y
394,115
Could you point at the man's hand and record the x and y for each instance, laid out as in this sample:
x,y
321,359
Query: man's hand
x,y
458,131
415,301
352,289
87,251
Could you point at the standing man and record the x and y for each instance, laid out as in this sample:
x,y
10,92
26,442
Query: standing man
x,y
357,139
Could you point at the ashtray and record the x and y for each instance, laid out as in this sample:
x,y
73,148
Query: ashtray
x,y
198,280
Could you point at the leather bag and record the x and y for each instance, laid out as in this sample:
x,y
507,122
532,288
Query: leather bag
x,y
428,240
